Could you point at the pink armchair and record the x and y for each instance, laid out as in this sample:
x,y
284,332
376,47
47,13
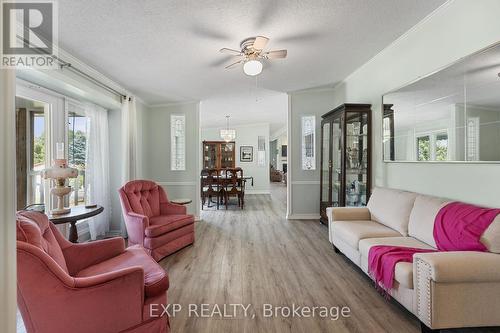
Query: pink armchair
x,y
152,221
91,287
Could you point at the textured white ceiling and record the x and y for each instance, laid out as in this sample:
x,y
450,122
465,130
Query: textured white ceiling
x,y
246,108
167,51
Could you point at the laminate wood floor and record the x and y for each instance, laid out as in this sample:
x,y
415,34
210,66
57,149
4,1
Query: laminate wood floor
x,y
255,256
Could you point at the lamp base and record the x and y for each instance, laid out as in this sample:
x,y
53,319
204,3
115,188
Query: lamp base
x,y
60,211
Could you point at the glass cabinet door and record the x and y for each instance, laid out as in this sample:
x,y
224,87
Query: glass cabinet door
x,y
356,155
210,156
336,161
325,169
227,155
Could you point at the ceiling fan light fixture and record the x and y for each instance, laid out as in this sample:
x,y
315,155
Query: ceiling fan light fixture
x,y
252,67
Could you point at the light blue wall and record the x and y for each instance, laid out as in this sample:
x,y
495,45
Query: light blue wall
x,y
156,152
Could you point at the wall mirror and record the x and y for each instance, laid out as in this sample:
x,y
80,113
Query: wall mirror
x,y
452,115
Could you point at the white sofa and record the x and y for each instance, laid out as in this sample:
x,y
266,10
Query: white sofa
x,y
443,289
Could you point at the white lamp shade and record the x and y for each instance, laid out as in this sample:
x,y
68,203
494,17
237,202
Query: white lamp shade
x,y
227,134
252,67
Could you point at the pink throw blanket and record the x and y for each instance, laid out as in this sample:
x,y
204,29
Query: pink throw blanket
x,y
382,260
457,227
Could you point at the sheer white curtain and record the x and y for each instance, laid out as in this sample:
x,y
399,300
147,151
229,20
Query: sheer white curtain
x,y
97,185
129,139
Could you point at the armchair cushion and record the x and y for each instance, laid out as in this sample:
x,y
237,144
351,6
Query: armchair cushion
x,y
143,196
155,278
35,229
461,266
162,224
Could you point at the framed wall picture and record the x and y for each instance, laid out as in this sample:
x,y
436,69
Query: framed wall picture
x,y
246,154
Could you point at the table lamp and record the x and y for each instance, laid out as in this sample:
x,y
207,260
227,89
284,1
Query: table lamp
x,y
60,172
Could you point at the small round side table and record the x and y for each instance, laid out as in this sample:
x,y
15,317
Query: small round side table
x,y
182,201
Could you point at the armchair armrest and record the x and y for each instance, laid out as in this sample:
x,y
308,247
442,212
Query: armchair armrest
x,y
348,213
136,225
113,300
82,255
168,208
459,267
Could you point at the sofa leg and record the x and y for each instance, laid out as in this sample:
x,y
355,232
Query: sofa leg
x,y
335,249
425,329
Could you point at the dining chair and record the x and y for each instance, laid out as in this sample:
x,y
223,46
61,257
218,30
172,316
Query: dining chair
x,y
233,185
210,186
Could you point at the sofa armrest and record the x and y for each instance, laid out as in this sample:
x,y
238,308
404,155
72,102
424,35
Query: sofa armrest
x,y
82,255
457,289
348,213
460,266
168,208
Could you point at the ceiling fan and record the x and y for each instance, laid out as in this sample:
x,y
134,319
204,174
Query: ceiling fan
x,y
251,53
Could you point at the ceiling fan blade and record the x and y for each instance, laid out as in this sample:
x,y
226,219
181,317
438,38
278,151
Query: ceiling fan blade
x,y
260,43
233,64
275,54
230,51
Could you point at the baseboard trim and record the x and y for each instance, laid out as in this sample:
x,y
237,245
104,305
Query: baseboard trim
x,y
303,217
257,192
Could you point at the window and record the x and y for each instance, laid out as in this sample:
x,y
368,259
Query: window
x,y
308,143
423,148
261,151
77,152
432,147
37,156
473,139
178,142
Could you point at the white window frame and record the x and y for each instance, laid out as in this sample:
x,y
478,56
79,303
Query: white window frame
x,y
55,122
472,139
308,162
177,160
432,144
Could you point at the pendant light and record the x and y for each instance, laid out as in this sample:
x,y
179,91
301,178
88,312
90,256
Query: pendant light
x,y
227,134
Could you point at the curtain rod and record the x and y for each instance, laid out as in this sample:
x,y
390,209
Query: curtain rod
x,y
64,64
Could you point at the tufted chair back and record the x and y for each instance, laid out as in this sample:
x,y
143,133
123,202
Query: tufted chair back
x,y
35,229
143,197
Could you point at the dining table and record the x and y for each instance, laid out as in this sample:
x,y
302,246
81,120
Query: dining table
x,y
242,180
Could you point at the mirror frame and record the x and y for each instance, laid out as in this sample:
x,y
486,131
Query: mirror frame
x,y
382,109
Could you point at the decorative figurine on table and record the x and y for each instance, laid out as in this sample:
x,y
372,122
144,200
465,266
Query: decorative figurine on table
x,y
60,172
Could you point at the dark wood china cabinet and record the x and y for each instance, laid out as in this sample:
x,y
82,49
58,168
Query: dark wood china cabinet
x,y
345,178
219,154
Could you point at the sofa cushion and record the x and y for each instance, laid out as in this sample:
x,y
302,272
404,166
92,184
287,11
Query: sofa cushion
x,y
35,228
491,237
422,218
392,208
403,272
158,225
351,232
155,278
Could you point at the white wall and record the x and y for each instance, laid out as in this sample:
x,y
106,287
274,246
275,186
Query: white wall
x,y
7,203
303,185
156,152
247,135
456,30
